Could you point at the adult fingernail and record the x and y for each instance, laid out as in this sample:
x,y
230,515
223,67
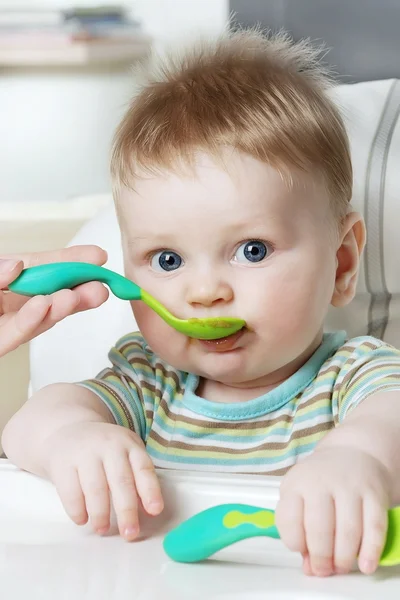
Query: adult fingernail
x,y
7,264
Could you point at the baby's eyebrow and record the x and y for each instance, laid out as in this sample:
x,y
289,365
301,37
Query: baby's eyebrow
x,y
150,239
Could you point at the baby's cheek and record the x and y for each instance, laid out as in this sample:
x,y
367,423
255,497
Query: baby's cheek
x,y
160,336
147,320
290,308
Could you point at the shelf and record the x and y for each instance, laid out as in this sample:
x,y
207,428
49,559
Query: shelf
x,y
74,54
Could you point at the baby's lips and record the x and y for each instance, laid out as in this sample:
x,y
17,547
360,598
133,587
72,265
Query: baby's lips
x,y
223,344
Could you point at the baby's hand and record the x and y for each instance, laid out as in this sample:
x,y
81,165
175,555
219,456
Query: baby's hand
x,y
87,461
333,509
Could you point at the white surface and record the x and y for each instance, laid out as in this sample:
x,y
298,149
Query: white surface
x,y
169,19
44,556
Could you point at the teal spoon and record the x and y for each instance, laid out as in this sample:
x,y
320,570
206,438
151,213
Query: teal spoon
x,y
220,526
50,278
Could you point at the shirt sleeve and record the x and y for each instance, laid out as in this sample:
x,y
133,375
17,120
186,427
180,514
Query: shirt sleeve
x,y
123,386
372,367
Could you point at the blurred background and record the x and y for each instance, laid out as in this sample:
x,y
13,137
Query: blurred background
x,y
65,79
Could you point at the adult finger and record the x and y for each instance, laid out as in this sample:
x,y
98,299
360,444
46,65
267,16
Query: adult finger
x,y
89,295
18,328
83,253
41,313
38,315
10,268
69,302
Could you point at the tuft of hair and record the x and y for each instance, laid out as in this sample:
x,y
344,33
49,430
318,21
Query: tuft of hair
x,y
259,93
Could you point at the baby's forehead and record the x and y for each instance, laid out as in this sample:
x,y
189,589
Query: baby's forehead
x,y
233,178
222,204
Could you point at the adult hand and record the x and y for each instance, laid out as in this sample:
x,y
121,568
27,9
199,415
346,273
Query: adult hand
x,y
23,318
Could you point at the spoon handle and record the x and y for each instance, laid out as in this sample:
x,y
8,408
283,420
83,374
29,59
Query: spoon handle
x,y
215,528
220,526
50,278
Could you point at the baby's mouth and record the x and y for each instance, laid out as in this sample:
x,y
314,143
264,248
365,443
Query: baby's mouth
x,y
223,344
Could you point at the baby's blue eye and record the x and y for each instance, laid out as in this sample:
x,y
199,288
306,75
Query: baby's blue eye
x,y
166,261
252,251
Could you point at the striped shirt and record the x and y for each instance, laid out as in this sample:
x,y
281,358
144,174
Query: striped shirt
x,y
266,435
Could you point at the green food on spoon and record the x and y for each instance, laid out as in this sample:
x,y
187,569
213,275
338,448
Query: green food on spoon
x,y
50,278
220,526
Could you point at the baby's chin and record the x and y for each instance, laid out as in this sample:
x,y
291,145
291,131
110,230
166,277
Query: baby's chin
x,y
226,368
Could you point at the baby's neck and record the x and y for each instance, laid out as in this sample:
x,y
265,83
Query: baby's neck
x,y
215,391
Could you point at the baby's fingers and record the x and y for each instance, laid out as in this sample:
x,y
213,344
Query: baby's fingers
x,y
97,496
374,534
147,484
68,486
319,525
348,532
290,522
123,491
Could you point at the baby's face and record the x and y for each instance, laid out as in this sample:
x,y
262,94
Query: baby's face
x,y
232,242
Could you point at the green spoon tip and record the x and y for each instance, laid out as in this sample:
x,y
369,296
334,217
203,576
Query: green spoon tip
x,y
214,328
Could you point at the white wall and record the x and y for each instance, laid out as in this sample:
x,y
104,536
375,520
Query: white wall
x,y
56,126
170,18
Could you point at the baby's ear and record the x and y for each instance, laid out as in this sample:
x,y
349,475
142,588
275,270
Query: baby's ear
x,y
352,242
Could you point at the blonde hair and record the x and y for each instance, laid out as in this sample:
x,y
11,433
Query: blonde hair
x,y
261,94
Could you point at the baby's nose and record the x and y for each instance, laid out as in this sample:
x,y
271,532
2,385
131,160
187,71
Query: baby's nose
x,y
209,293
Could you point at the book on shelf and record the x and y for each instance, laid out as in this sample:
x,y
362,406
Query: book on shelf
x,y
101,21
76,54
61,39
69,36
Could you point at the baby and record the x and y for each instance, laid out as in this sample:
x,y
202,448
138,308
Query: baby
x,y
232,181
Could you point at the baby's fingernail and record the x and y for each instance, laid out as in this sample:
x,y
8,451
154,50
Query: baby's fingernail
x,y
155,506
102,530
7,264
131,531
367,566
